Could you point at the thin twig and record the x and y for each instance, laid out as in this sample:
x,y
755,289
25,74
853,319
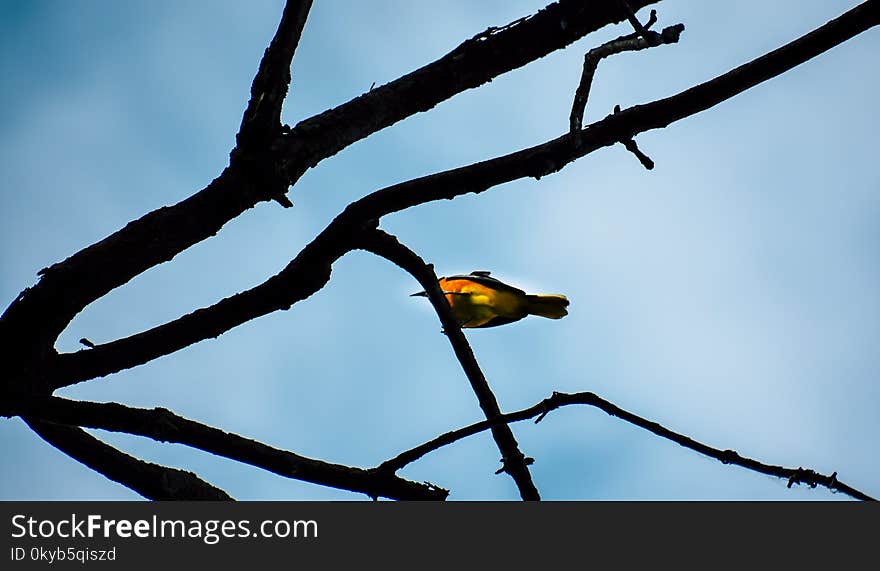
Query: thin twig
x,y
630,42
632,147
558,400
150,480
634,20
164,426
652,19
513,461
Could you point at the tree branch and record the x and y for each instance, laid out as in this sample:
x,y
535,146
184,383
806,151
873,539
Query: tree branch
x,y
150,480
164,426
631,146
552,156
473,63
311,268
634,21
254,153
302,277
630,42
262,118
513,461
559,400
40,313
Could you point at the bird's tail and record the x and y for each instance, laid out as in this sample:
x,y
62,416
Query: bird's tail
x,y
552,306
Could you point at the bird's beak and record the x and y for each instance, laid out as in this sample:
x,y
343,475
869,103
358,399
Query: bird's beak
x,y
419,294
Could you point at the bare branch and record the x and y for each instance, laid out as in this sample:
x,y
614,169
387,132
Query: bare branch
x,y
311,268
302,277
634,21
513,461
150,480
558,400
652,19
632,147
473,63
552,156
592,58
254,152
164,426
262,118
40,313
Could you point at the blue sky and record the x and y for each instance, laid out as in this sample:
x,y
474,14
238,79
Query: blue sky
x,y
731,293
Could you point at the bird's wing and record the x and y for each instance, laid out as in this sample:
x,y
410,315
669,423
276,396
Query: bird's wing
x,y
482,277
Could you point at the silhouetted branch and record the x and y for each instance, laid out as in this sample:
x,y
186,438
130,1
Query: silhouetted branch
x,y
558,400
164,426
310,270
634,21
262,118
513,461
631,146
473,63
261,123
40,313
630,42
549,157
150,480
302,277
652,19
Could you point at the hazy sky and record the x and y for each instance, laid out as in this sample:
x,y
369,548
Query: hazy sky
x,y
731,293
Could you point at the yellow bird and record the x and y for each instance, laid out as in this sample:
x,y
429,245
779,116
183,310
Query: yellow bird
x,y
478,300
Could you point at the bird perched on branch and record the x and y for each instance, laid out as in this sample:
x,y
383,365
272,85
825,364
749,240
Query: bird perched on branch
x,y
478,300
